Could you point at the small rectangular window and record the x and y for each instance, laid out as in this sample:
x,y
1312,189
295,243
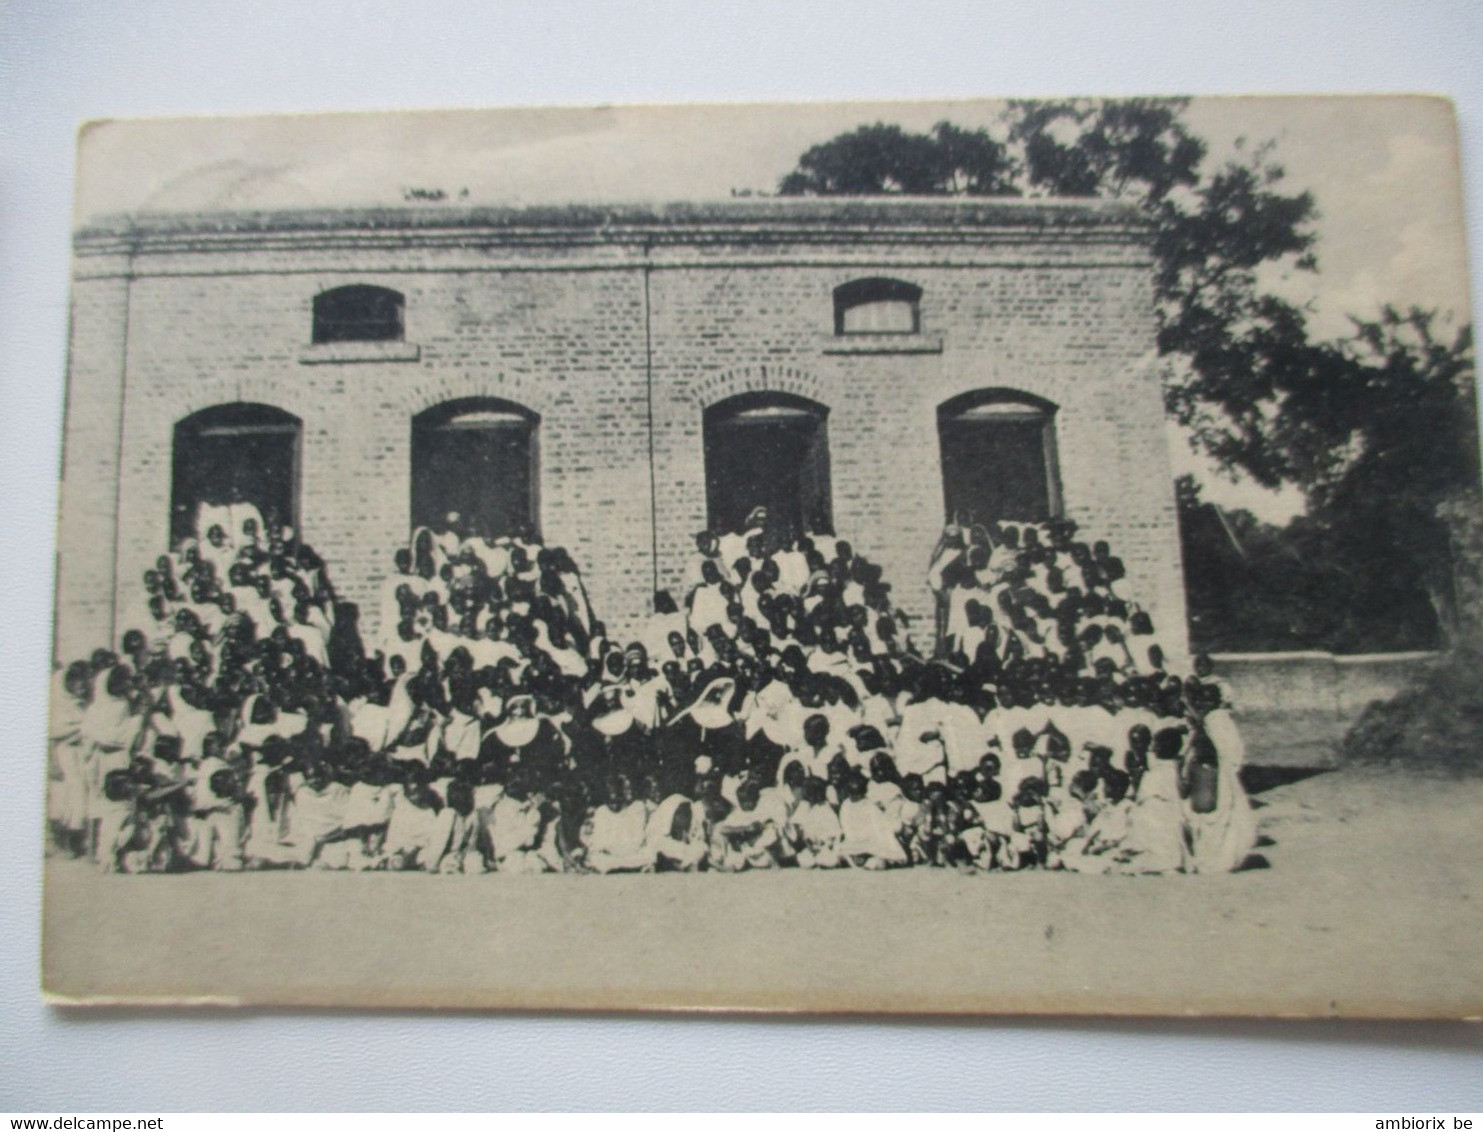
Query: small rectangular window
x,y
877,306
887,316
358,313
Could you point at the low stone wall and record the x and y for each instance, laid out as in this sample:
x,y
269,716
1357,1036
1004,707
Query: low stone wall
x,y
1294,707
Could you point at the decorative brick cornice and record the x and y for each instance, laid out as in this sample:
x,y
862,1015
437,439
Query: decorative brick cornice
x,y
791,221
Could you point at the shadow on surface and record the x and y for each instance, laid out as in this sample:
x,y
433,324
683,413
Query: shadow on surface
x,y
1260,779
1437,1035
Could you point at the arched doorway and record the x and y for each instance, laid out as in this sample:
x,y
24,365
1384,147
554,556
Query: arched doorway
x,y
999,457
769,450
476,458
234,454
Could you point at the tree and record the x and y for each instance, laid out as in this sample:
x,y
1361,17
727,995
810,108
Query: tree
x,y
886,159
1130,147
1383,439
1231,345
1252,586
1376,429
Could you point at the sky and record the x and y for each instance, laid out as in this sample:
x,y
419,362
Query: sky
x,y
1383,170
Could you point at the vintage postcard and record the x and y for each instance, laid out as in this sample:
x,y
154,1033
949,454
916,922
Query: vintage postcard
x,y
964,557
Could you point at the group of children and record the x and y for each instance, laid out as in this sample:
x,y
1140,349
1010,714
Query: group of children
x,y
777,715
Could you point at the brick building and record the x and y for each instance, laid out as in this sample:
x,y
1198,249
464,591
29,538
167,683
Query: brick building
x,y
614,379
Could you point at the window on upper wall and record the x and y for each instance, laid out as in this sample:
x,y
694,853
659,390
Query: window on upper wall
x,y
358,313
877,306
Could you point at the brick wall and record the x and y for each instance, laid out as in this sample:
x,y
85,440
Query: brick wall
x,y
1295,708
570,347
594,327
86,531
1078,336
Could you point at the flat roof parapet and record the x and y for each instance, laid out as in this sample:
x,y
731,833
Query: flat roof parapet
x,y
748,220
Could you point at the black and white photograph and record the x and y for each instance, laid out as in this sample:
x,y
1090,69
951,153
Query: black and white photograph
x,y
1014,556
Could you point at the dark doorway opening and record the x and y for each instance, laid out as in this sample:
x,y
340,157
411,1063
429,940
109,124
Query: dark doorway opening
x,y
768,450
230,454
475,459
998,458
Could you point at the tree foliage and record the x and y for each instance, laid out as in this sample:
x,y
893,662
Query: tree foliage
x,y
1232,345
1252,586
1130,147
1376,429
1381,435
887,159
1384,439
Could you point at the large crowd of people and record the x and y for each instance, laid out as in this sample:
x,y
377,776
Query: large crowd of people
x,y
775,713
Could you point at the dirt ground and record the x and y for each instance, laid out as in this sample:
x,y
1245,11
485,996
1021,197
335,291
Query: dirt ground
x,y
1371,904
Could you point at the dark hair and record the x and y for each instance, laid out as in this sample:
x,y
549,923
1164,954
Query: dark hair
x,y
883,767
119,681
118,785
1168,742
812,727
77,676
1032,792
224,785
461,797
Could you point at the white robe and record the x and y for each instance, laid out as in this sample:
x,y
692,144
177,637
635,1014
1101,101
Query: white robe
x,y
965,737
792,571
314,640
417,837
915,755
747,839
520,844
263,825
730,548
656,635
486,653
67,801
315,816
615,839
816,763
368,805
709,608
815,828
1096,850
189,724
776,713
1221,840
1155,840
686,851
368,721
869,834
116,825
461,736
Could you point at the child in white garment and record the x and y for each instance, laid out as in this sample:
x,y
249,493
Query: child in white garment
x,y
871,836
813,828
614,834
